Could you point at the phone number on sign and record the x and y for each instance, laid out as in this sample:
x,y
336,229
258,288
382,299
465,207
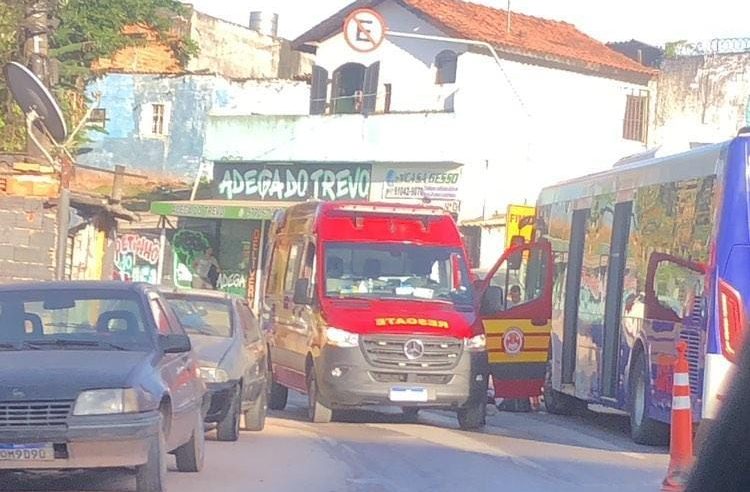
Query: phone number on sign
x,y
432,178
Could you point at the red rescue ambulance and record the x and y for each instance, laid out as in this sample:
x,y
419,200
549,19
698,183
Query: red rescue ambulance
x,y
372,304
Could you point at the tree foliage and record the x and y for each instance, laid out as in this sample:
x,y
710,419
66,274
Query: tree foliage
x,y
88,30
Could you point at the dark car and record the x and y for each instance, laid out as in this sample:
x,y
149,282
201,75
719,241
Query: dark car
x,y
232,357
97,375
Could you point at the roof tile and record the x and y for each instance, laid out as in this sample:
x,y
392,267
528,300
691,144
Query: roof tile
x,y
527,33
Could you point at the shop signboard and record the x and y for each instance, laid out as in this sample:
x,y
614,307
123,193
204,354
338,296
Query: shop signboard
x,y
296,182
519,221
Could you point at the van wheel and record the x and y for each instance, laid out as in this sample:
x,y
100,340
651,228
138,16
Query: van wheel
x,y
643,429
316,411
191,454
228,429
151,476
255,416
473,416
278,396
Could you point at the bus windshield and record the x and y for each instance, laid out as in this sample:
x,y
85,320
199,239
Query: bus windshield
x,y
397,271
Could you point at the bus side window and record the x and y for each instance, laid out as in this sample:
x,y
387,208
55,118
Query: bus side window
x,y
675,286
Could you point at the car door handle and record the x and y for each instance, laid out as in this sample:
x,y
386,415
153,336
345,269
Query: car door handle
x,y
539,322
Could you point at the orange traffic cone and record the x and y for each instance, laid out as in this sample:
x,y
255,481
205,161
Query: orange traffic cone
x,y
681,439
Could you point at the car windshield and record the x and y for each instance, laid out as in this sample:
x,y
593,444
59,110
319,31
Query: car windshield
x,y
396,271
203,316
72,318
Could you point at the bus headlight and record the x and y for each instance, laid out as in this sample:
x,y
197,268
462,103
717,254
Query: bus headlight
x,y
477,343
341,338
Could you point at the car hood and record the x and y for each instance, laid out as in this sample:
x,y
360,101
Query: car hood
x,y
210,349
381,316
62,374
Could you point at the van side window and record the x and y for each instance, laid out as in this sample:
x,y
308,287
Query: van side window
x,y
292,267
278,267
308,269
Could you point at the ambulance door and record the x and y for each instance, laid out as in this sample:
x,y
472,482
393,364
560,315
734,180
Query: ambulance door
x,y
516,310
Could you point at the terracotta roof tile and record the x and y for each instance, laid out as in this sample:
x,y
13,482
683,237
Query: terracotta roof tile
x,y
533,34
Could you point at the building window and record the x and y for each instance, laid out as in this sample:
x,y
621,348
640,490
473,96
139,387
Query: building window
x,y
635,124
446,63
98,118
157,125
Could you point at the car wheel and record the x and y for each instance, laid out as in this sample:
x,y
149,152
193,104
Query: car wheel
x,y
316,411
255,416
228,429
278,396
151,476
643,429
473,416
191,454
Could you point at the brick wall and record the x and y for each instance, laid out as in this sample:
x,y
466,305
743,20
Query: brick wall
x,y
28,234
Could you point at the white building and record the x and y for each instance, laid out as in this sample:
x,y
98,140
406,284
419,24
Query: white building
x,y
424,112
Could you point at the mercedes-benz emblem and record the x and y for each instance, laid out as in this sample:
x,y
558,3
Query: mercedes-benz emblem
x,y
414,349
17,393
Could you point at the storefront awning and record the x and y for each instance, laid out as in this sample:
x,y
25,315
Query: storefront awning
x,y
218,209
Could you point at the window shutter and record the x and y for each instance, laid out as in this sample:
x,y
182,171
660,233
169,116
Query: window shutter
x,y
370,89
318,90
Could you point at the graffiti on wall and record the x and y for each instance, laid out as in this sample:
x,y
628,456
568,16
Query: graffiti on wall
x,y
254,253
253,181
187,245
136,258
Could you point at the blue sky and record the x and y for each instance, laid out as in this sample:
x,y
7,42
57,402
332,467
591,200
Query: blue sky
x,y
652,21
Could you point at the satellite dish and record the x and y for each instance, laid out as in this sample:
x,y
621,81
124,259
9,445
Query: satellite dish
x,y
35,100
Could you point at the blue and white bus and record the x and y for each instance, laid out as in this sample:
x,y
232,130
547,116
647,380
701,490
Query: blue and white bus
x,y
647,254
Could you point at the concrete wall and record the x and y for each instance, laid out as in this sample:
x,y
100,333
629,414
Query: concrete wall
x,y
701,99
188,99
235,51
28,235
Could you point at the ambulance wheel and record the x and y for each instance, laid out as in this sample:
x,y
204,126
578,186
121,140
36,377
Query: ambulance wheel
x,y
316,411
473,417
643,429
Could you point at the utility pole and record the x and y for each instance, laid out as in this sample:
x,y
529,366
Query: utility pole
x,y
36,45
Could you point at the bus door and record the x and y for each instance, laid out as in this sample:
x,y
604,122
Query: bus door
x,y
516,310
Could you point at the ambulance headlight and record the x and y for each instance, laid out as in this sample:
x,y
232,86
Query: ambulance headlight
x,y
341,338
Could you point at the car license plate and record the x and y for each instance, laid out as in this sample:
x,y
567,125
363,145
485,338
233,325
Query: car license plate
x,y
27,452
409,394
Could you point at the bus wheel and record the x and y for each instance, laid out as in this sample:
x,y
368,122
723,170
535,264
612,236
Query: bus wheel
x,y
643,429
557,402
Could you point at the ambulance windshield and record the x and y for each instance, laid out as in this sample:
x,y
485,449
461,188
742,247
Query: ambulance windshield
x,y
397,271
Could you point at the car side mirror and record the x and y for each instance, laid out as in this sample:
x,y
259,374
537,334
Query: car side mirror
x,y
492,300
300,291
175,344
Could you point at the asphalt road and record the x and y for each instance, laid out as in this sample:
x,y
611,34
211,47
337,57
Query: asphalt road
x,y
383,452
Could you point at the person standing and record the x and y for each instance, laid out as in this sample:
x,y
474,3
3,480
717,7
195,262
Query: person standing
x,y
207,270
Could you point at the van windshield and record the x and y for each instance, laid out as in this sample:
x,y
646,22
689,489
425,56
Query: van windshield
x,y
397,271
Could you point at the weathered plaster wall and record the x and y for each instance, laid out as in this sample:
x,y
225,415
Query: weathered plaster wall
x,y
128,100
702,99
